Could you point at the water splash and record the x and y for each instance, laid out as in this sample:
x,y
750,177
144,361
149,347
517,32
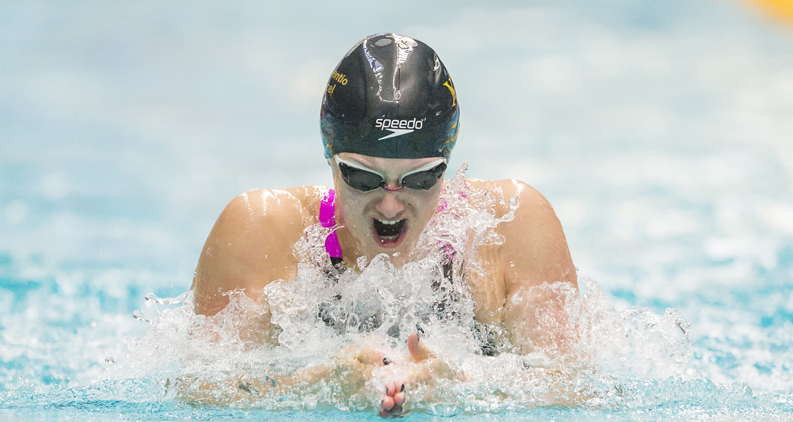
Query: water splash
x,y
609,360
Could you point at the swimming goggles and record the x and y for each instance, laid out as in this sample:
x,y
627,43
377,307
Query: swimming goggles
x,y
363,179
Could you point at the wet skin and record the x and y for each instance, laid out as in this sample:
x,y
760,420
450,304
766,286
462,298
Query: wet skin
x,y
251,246
422,365
356,210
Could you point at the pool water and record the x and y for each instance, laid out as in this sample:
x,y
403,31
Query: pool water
x,y
659,132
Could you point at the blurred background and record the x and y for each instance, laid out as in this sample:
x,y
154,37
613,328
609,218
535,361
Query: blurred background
x,y
662,133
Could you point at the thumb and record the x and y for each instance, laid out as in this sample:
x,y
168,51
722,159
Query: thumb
x,y
418,351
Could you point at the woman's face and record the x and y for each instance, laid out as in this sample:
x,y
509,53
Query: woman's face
x,y
384,220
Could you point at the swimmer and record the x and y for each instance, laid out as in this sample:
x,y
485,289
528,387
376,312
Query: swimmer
x,y
389,121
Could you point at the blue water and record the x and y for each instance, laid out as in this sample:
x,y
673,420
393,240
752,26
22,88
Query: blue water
x,y
660,132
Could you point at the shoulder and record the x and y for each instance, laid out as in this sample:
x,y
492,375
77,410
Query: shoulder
x,y
511,192
251,242
296,203
535,247
263,217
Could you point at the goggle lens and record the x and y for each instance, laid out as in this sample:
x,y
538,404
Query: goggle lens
x,y
365,181
360,179
424,180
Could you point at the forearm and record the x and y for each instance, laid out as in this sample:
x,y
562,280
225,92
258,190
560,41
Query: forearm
x,y
347,371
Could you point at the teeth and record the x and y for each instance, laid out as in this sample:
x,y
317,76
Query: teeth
x,y
388,223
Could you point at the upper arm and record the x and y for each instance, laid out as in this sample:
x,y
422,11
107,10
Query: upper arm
x,y
535,260
249,247
535,248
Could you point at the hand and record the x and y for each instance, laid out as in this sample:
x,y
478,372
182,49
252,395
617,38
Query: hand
x,y
350,369
421,365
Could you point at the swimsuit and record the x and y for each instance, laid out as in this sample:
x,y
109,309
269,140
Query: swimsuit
x,y
327,218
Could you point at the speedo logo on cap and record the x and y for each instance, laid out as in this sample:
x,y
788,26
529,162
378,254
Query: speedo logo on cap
x,y
398,127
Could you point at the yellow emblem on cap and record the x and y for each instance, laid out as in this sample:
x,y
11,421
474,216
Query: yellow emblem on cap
x,y
448,84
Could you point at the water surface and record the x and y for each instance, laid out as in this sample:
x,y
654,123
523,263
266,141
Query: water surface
x,y
659,132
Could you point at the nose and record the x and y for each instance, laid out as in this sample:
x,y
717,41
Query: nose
x,y
389,206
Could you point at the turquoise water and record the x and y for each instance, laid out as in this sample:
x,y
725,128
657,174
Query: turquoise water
x,y
660,133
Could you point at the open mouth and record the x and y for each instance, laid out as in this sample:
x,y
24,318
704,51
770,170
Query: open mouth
x,y
389,233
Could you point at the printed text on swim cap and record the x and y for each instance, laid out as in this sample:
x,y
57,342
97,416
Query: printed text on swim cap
x,y
339,77
398,124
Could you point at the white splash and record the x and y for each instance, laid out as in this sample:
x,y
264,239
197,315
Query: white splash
x,y
233,356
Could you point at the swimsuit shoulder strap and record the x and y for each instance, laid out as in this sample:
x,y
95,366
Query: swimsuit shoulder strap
x,y
327,218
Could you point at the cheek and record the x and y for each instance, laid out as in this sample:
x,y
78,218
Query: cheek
x,y
425,207
350,210
429,210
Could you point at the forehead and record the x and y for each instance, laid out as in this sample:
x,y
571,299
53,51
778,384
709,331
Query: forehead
x,y
393,164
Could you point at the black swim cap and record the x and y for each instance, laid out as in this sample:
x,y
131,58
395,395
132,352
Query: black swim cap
x,y
390,97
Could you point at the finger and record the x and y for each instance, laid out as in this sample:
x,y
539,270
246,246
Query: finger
x,y
384,413
388,402
399,398
418,351
397,409
390,388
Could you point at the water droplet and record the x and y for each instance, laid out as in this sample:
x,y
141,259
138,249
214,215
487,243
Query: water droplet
x,y
139,316
151,298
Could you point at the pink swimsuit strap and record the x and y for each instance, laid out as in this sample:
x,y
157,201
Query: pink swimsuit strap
x,y
327,218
